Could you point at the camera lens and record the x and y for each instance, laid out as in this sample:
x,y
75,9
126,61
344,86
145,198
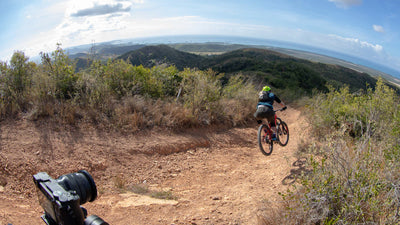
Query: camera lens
x,y
82,183
95,220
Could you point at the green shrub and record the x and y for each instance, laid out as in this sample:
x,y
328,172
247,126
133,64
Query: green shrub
x,y
16,83
62,70
201,91
121,95
239,100
354,175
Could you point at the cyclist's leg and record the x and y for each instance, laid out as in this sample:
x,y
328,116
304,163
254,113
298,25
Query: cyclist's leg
x,y
261,113
271,121
270,115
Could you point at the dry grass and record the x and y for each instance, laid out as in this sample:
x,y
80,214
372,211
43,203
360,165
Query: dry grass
x,y
143,189
140,189
352,179
119,181
123,96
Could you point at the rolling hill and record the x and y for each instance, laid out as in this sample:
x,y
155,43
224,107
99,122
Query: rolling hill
x,y
260,65
149,56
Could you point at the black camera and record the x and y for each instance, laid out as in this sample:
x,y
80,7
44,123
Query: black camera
x,y
62,198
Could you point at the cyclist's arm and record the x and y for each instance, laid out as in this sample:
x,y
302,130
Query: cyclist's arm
x,y
280,102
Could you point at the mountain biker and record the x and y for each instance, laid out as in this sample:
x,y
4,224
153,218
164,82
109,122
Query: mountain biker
x,y
265,108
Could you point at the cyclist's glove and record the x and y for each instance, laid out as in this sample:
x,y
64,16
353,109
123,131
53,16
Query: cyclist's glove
x,y
284,108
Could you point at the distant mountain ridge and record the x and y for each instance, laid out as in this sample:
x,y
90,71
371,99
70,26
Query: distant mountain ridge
x,y
184,42
261,65
206,45
149,56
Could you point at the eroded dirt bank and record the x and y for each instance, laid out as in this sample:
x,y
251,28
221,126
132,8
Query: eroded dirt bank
x,y
216,178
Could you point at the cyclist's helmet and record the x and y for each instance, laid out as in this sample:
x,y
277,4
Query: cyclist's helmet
x,y
266,88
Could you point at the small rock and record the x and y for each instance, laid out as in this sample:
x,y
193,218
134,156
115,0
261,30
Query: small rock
x,y
216,198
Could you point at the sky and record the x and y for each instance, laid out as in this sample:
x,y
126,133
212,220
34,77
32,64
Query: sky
x,y
368,29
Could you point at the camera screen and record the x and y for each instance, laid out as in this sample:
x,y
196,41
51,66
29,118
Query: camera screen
x,y
46,203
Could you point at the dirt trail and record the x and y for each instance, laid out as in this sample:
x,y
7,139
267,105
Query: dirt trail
x,y
218,178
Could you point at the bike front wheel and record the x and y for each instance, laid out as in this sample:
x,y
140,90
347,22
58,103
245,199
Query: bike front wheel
x,y
282,131
265,144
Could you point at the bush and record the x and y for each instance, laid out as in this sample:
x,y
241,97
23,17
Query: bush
x,y
201,91
121,95
61,70
354,178
16,82
239,100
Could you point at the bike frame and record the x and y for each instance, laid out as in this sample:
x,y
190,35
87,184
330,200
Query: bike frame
x,y
269,131
265,134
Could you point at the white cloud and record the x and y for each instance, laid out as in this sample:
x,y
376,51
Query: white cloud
x,y
94,20
78,8
354,44
378,28
346,3
71,31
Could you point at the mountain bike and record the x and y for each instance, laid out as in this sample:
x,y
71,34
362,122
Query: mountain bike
x,y
265,141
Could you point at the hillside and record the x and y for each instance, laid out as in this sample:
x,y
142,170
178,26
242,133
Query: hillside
x,y
284,71
314,57
209,45
154,55
260,65
102,52
220,48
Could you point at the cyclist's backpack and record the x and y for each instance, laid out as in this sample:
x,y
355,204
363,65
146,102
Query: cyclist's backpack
x,y
266,97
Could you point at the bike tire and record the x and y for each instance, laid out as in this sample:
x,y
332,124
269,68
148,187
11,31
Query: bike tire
x,y
266,145
282,131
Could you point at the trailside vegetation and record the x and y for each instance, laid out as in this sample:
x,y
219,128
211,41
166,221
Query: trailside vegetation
x,y
121,95
352,175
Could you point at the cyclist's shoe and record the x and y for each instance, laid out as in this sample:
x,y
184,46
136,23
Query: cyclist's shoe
x,y
274,137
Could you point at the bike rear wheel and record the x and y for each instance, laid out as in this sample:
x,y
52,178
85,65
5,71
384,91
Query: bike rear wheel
x,y
282,131
265,144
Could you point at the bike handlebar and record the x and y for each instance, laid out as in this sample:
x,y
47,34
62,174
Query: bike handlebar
x,y
281,109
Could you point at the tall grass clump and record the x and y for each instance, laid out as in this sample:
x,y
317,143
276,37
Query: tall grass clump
x,y
354,173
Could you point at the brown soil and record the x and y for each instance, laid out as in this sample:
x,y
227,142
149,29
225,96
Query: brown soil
x,y
214,177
